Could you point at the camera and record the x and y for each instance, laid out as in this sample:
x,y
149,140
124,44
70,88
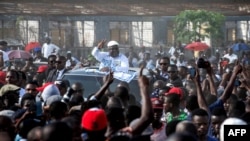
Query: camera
x,y
192,72
201,63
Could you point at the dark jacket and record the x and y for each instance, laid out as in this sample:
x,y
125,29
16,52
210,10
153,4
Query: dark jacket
x,y
53,75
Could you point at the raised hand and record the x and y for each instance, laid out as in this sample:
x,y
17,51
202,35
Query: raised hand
x,y
109,78
237,68
143,80
101,44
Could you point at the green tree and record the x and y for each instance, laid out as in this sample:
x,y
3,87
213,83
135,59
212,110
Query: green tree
x,y
191,25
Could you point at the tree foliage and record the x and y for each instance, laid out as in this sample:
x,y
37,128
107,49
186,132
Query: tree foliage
x,y
191,25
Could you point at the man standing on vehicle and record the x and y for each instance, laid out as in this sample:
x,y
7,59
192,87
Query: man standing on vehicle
x,y
112,60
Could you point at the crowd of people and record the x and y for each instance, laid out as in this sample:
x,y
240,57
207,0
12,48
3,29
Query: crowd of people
x,y
182,99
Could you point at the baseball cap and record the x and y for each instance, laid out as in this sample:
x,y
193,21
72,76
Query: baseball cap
x,y
68,52
40,89
62,83
8,88
175,90
2,77
42,68
157,103
112,43
94,119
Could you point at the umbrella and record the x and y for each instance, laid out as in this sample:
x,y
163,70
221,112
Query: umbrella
x,y
19,54
197,46
32,45
240,47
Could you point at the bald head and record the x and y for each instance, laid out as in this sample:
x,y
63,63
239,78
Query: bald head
x,y
186,126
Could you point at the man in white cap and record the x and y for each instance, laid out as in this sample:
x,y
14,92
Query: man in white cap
x,y
71,61
112,60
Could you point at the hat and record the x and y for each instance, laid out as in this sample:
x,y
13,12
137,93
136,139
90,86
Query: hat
x,y
62,83
175,90
112,43
68,52
94,119
8,88
52,99
40,89
157,103
42,68
2,77
49,91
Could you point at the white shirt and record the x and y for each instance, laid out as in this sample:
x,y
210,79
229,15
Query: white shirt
x,y
231,57
49,49
60,73
119,63
68,62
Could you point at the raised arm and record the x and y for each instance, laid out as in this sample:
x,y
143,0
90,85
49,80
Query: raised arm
x,y
98,95
213,89
146,110
230,85
201,99
97,53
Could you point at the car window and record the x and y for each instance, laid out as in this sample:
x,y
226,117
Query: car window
x,y
92,84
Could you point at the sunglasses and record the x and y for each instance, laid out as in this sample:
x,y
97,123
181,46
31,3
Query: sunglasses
x,y
163,64
58,62
52,61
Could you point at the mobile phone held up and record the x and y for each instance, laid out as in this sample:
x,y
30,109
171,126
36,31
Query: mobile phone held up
x,y
192,72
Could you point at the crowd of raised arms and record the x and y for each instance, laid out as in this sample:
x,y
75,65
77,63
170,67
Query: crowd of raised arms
x,y
180,99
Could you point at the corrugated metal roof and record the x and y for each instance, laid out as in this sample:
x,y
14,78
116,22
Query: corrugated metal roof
x,y
121,7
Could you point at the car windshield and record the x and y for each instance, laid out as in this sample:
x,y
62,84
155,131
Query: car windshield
x,y
92,84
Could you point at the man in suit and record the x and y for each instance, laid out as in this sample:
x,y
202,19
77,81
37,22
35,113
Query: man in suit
x,y
60,69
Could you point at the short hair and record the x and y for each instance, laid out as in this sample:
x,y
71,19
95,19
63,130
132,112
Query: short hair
x,y
32,82
165,57
122,93
173,98
173,66
57,109
199,112
219,111
170,128
27,97
52,56
57,131
14,72
192,102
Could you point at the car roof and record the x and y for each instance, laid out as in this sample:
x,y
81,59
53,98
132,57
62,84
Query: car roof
x,y
94,71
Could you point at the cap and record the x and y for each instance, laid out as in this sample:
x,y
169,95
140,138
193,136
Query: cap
x,y
8,88
175,90
52,99
157,103
2,77
42,68
112,43
49,91
62,83
40,89
68,52
94,119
